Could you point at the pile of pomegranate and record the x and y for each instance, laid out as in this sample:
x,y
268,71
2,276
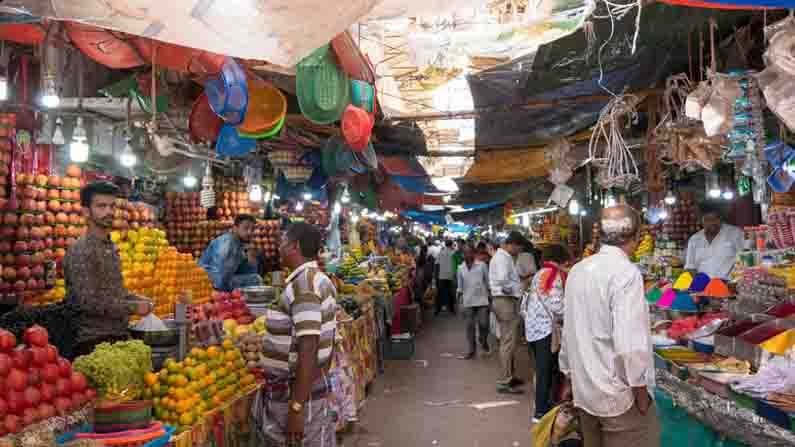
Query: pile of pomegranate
x,y
37,227
35,382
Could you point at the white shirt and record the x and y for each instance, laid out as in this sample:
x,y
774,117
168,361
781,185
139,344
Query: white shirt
x,y
474,284
525,265
445,262
606,348
716,259
503,278
537,322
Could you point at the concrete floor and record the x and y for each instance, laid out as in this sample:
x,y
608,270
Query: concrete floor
x,y
413,405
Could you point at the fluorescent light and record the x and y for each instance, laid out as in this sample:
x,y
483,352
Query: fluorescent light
x,y
3,88
670,198
189,180
127,157
538,211
728,194
299,206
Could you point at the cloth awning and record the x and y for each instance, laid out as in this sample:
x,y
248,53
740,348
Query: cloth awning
x,y
506,166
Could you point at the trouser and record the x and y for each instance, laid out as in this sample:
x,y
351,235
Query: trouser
x,y
631,429
506,311
270,417
546,373
445,295
477,316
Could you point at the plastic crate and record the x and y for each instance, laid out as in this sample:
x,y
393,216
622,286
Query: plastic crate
x,y
400,347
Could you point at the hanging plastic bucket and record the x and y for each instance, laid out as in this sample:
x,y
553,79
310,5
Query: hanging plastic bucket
x,y
109,48
363,95
203,123
228,93
267,134
231,144
357,127
266,107
178,58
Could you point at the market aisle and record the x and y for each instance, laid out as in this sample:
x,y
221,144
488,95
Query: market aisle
x,y
398,413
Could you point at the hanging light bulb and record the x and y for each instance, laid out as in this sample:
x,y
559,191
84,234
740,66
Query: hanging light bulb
x,y
354,218
365,212
728,194
78,149
337,208
57,135
583,212
713,185
50,97
663,215
610,201
268,196
190,180
255,193
299,206
346,196
670,198
714,193
574,207
307,196
127,157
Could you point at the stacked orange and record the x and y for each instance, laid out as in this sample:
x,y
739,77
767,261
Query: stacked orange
x,y
182,393
179,275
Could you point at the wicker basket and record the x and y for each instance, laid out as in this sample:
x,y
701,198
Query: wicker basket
x,y
296,174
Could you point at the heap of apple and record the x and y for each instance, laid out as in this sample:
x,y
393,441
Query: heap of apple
x,y
224,306
35,382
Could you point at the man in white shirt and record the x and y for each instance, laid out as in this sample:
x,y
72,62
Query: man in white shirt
x,y
606,350
445,288
713,250
506,289
473,286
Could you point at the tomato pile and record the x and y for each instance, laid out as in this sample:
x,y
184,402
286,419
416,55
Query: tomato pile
x,y
35,382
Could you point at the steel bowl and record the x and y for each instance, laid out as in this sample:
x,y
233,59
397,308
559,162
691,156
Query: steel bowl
x,y
168,337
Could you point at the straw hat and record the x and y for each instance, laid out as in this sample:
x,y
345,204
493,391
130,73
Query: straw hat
x,y
323,89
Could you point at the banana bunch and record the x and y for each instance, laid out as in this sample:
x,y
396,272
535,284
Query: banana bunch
x,y
646,246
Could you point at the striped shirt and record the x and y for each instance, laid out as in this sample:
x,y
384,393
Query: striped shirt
x,y
308,306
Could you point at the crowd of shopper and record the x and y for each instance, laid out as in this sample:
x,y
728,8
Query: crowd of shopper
x,y
585,324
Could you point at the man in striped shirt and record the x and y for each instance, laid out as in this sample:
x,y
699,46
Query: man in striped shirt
x,y
292,408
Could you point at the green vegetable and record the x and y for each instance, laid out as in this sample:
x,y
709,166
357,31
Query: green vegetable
x,y
116,370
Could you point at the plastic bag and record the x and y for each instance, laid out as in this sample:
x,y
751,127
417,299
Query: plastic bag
x,y
697,100
717,115
151,323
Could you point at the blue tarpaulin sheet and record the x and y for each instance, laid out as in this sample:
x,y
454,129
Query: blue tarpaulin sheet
x,y
426,218
415,184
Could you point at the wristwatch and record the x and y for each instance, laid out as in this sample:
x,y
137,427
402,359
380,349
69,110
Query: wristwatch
x,y
296,407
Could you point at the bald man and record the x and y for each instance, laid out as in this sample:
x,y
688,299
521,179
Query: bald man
x,y
606,351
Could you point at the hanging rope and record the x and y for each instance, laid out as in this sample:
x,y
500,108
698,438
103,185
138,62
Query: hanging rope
x,y
607,147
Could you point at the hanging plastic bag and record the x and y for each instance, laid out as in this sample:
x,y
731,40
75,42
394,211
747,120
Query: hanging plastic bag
x,y
697,100
717,115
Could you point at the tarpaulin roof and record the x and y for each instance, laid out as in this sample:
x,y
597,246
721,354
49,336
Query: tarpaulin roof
x,y
555,92
282,32
393,197
405,166
473,194
423,217
415,184
506,166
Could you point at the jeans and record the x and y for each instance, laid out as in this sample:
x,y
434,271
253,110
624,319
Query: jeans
x,y
477,316
546,373
445,295
507,313
245,280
